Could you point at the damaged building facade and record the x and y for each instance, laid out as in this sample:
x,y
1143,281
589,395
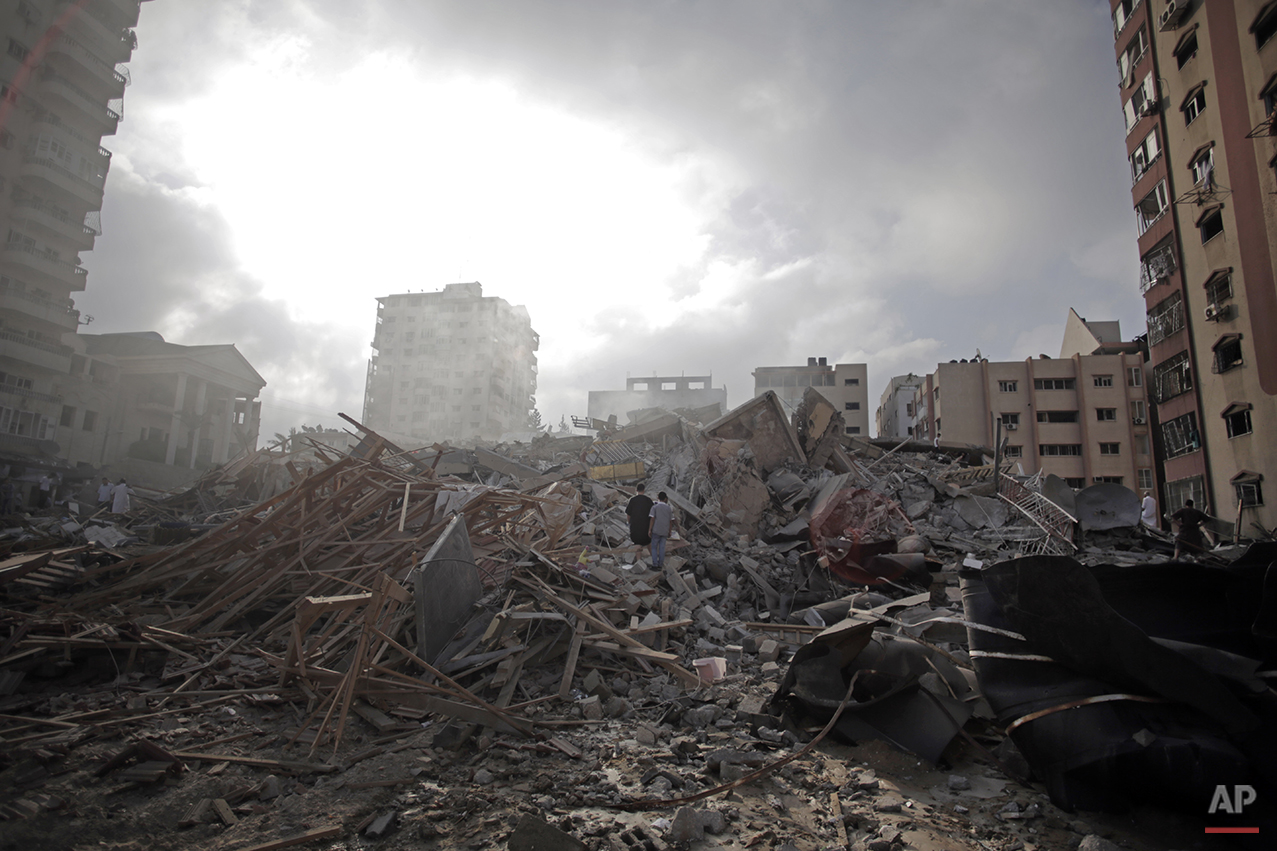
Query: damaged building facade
x,y
1199,95
451,365
1082,416
64,83
672,393
897,414
845,385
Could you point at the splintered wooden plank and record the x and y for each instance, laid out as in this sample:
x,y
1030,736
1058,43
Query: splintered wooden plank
x,y
298,839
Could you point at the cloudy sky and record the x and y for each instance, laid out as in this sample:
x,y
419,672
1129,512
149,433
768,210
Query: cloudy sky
x,y
703,186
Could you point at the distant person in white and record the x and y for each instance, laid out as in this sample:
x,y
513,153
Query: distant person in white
x,y
104,493
120,497
1148,511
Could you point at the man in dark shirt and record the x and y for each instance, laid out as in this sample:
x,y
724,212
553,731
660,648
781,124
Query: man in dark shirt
x,y
637,510
1189,535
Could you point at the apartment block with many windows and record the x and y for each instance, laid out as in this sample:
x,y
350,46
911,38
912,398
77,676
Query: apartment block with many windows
x,y
62,82
1198,84
451,365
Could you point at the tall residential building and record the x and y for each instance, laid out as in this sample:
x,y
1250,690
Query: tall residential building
x,y
451,365
1199,91
897,414
1082,416
61,90
845,385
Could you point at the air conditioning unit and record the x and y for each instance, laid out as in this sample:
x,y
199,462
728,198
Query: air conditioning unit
x,y
1213,313
1010,426
1137,420
1148,108
1172,15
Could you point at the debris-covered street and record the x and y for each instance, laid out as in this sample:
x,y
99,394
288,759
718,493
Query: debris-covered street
x,y
850,644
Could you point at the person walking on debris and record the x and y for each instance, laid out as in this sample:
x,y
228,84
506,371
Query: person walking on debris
x,y
104,494
120,503
660,521
1148,510
1189,537
46,491
639,509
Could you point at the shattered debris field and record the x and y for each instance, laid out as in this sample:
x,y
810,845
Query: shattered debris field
x,y
850,645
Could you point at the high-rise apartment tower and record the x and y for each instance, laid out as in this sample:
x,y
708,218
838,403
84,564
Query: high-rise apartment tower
x,y
1199,93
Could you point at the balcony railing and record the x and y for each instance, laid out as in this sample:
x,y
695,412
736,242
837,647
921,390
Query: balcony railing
x,y
65,311
85,55
1157,267
54,120
93,187
57,220
81,99
14,390
56,266
53,348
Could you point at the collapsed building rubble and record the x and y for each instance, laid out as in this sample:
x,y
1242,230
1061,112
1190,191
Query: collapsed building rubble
x,y
439,634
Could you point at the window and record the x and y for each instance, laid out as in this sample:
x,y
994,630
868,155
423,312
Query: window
x,y
1007,386
1054,384
1143,101
851,382
1203,166
1131,56
1186,49
1172,377
1057,416
1103,381
1142,445
1012,451
1211,223
18,50
1166,318
1059,449
1237,419
1246,484
68,416
1135,376
1122,14
1219,286
1152,206
90,420
851,406
1180,435
1228,353
1106,415
1110,449
1144,478
1011,419
1157,265
853,429
1137,411
1112,480
1265,25
1181,490
1144,155
1195,104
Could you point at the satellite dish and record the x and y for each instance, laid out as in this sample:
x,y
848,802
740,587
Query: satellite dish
x,y
1058,491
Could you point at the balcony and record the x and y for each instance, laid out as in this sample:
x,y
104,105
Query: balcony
x,y
49,356
44,269
86,68
54,120
108,36
62,315
57,91
47,220
48,175
23,393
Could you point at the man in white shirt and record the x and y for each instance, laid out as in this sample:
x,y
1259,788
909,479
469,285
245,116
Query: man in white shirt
x,y
1148,510
120,498
661,521
104,494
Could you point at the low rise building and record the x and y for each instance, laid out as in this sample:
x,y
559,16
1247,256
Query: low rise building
x,y
670,392
845,385
897,415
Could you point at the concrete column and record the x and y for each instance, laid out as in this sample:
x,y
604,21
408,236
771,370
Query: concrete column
x,y
221,426
175,425
200,389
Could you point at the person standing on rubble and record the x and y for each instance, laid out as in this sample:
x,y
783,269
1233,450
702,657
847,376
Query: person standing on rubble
x,y
1189,537
104,494
1148,510
639,509
660,522
120,494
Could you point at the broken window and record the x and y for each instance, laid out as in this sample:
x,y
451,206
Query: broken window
x,y
1246,485
1203,167
1144,155
1211,223
1059,449
1142,102
1110,449
1172,377
1180,435
1157,265
1152,206
1166,318
1131,56
1228,353
1106,414
1054,384
1103,381
1195,104
1265,25
1219,287
1237,419
1186,49
1007,386
1057,416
